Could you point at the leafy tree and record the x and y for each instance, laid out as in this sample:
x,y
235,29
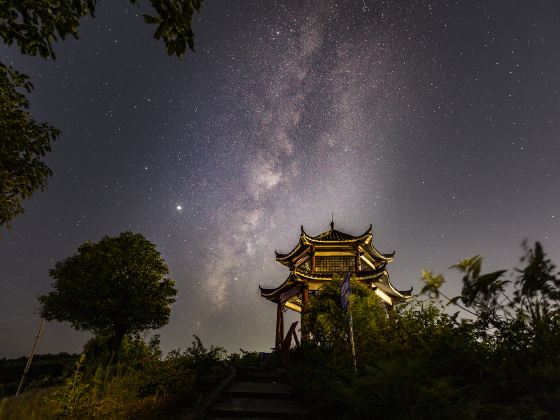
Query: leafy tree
x,y
23,142
329,325
34,26
113,288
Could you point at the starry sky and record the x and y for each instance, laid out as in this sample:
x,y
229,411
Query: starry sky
x,y
436,121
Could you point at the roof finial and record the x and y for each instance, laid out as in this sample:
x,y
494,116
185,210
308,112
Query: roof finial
x,y
332,221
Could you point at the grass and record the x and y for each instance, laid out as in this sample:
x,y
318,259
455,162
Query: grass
x,y
31,405
140,385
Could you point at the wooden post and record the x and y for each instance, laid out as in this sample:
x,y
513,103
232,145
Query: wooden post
x,y
28,365
279,326
286,344
305,304
312,259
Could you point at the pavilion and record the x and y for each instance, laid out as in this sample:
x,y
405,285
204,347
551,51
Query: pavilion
x,y
314,261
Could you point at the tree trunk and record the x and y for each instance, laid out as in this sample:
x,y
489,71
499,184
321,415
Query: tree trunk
x,y
116,340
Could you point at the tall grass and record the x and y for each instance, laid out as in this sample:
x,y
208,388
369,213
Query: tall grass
x,y
138,384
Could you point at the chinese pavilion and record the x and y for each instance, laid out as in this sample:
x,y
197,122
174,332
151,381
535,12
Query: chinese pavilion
x,y
314,261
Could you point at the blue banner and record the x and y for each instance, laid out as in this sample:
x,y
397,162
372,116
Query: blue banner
x,y
345,292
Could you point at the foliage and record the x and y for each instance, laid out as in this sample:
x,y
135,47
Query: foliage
x,y
174,20
417,361
112,288
244,358
195,368
34,404
330,325
34,26
139,384
46,370
23,142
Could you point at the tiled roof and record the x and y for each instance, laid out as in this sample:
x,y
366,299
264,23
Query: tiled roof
x,y
333,235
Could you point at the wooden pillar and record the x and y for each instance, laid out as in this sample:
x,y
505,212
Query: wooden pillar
x,y
305,304
357,260
279,326
312,259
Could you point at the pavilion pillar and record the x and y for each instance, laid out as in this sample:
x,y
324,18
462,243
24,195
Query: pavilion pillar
x,y
305,306
279,326
312,259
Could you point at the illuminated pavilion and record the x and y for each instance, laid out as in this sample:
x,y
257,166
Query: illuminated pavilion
x,y
314,261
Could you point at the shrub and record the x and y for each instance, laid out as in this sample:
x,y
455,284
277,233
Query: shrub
x,y
420,362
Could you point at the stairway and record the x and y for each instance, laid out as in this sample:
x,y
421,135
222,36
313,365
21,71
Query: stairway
x,y
256,394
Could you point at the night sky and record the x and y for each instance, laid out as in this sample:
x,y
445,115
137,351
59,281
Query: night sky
x,y
436,121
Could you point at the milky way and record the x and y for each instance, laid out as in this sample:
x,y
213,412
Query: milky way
x,y
434,121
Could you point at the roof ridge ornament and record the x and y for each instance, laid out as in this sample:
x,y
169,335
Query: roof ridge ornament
x,y
332,221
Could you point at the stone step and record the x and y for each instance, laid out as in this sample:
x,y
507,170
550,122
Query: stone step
x,y
244,417
260,390
256,376
256,408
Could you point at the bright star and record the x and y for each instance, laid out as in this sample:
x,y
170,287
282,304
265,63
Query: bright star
x,y
179,208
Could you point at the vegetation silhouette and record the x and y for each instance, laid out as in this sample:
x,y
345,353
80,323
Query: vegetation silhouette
x,y
139,383
47,370
418,361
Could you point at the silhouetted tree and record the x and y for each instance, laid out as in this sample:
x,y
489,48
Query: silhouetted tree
x,y
112,288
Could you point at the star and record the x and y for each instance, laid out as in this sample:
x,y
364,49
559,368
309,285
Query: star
x,y
359,110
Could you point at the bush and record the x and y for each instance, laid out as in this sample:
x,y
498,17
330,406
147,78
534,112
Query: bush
x,y
137,384
417,361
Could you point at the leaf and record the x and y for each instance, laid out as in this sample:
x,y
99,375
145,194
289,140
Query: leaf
x,y
486,280
159,31
432,283
469,265
151,19
453,301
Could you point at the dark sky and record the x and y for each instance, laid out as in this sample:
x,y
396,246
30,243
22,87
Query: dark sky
x,y
436,121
